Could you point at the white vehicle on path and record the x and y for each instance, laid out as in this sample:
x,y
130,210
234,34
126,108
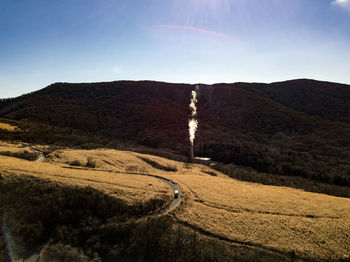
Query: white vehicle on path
x,y
176,193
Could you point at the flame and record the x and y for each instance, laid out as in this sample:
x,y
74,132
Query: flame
x,y
193,122
193,104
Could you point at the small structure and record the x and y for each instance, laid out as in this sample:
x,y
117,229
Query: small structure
x,y
203,161
202,158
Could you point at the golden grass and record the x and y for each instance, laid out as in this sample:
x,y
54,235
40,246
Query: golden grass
x,y
10,146
244,196
105,159
280,218
8,127
14,148
132,188
124,161
275,217
326,238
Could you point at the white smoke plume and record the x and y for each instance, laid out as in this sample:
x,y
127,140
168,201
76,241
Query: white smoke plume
x,y
193,122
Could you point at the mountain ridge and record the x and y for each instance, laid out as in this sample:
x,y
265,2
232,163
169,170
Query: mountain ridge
x,y
296,127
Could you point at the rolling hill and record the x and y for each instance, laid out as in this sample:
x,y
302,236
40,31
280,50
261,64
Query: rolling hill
x,y
118,209
295,128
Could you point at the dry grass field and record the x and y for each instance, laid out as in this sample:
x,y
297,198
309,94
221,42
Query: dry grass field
x,y
126,161
14,148
133,188
8,127
279,219
312,225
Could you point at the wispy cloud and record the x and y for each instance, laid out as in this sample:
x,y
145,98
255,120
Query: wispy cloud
x,y
198,30
343,3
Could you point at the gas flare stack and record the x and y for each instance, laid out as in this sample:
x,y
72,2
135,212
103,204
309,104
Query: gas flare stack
x,y
191,154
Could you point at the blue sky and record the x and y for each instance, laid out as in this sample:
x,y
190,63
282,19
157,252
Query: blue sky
x,y
191,41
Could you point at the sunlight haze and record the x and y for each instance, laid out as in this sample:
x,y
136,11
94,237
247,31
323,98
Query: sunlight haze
x,y
190,41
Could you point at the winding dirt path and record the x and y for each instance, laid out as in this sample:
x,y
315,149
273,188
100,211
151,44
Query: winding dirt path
x,y
173,186
172,205
41,156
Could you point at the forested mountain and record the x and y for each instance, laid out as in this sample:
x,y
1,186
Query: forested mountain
x,y
296,128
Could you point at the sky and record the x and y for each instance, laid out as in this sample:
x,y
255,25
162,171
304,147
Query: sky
x,y
182,41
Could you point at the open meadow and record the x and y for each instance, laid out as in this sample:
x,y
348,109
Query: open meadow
x,y
129,188
278,220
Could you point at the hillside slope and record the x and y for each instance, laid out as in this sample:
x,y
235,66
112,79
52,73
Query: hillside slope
x,y
294,128
263,220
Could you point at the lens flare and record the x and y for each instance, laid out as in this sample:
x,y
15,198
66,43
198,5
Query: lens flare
x,y
197,30
9,244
